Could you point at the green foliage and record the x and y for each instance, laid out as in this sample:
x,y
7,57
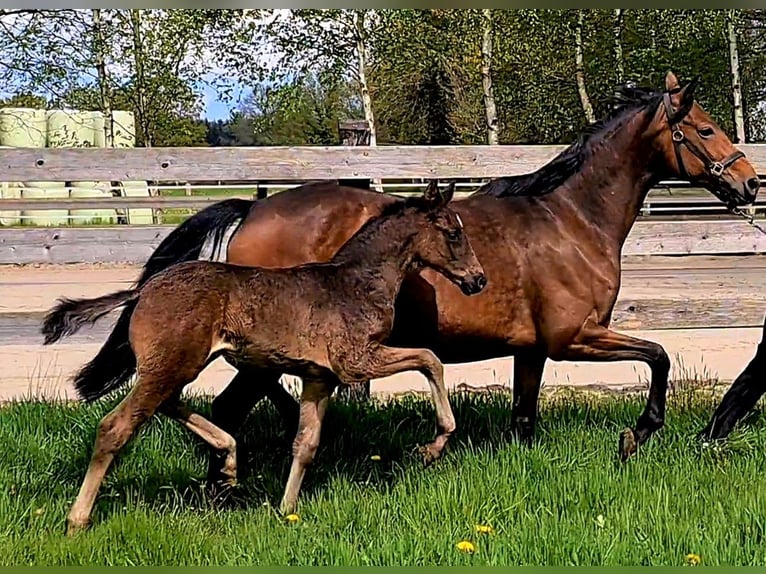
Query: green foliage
x,y
304,111
24,100
423,68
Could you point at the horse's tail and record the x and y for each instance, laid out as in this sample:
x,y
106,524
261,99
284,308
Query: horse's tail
x,y
115,362
69,315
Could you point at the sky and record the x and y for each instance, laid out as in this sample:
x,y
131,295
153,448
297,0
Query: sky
x,y
214,109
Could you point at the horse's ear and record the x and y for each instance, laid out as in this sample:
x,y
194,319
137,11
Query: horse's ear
x,y
671,82
434,197
449,193
431,193
687,94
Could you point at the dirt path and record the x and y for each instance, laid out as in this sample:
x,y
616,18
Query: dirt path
x,y
27,368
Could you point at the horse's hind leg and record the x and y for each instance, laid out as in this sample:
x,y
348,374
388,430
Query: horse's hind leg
x,y
217,438
314,398
527,377
114,431
231,407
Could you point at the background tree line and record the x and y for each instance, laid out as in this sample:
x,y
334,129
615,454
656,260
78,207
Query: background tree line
x,y
418,76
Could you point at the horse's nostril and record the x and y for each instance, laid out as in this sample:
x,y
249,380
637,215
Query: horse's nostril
x,y
753,184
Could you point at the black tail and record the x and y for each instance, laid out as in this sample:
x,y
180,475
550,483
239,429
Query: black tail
x,y
115,362
69,315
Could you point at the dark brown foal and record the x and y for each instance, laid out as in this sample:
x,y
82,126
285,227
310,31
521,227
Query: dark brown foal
x,y
326,323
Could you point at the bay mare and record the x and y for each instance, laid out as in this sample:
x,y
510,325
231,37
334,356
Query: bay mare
x,y
324,322
550,242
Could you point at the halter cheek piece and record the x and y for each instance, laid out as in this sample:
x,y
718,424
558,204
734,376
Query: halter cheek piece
x,y
716,168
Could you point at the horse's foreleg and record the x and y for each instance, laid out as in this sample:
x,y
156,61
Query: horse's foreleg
x,y
597,343
314,398
387,361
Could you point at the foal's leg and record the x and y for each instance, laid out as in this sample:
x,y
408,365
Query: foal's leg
x,y
114,431
527,378
741,397
218,439
597,343
231,407
386,361
314,398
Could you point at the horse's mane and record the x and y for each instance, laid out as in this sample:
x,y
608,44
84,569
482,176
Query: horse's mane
x,y
626,100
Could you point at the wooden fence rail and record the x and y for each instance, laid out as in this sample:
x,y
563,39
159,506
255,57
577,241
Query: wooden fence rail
x,y
285,163
134,244
202,201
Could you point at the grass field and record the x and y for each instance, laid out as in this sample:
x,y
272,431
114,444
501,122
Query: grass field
x,y
565,501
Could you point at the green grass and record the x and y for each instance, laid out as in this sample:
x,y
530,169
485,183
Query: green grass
x,y
565,501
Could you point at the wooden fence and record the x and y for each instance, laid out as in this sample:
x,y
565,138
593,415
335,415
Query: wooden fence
x,y
254,164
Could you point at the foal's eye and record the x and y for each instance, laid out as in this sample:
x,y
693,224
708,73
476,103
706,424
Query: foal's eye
x,y
453,234
706,132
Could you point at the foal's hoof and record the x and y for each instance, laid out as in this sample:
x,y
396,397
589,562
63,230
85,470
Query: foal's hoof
x,y
221,490
430,455
628,444
74,527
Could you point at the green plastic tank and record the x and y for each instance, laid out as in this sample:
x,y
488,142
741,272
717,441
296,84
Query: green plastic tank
x,y
26,127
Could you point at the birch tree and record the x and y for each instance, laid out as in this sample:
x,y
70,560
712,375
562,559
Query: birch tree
x,y
580,68
736,87
486,77
617,26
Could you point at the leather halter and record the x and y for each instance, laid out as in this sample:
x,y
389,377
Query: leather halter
x,y
675,117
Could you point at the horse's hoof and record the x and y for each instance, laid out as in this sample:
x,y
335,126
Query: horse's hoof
x,y
74,527
429,454
628,444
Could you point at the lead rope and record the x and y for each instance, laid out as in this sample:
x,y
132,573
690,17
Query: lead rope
x,y
747,217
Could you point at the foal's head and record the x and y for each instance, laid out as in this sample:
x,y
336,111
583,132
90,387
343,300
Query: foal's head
x,y
441,243
698,148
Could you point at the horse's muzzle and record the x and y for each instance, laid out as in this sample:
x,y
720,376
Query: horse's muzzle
x,y
474,284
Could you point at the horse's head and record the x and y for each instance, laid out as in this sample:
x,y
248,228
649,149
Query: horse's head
x,y
696,149
442,244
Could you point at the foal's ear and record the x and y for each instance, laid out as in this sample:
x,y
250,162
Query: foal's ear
x,y
434,197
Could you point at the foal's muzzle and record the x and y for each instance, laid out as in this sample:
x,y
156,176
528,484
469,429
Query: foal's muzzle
x,y
473,284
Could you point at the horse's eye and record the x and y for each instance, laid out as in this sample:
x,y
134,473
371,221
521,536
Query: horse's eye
x,y
706,132
453,234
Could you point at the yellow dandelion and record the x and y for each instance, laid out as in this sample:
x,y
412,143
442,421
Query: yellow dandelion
x,y
484,529
693,559
466,546
292,518
375,457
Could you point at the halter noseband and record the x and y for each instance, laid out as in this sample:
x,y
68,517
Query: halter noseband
x,y
716,168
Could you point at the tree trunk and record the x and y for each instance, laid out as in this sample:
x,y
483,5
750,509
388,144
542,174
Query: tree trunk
x,y
361,51
619,62
104,87
580,69
486,78
142,120
362,58
736,87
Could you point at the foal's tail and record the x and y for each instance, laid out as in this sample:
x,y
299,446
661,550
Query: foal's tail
x,y
69,315
115,362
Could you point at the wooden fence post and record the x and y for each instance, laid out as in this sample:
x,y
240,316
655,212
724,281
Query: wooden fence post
x,y
354,133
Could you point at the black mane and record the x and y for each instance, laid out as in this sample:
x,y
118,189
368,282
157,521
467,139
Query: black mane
x,y
550,176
